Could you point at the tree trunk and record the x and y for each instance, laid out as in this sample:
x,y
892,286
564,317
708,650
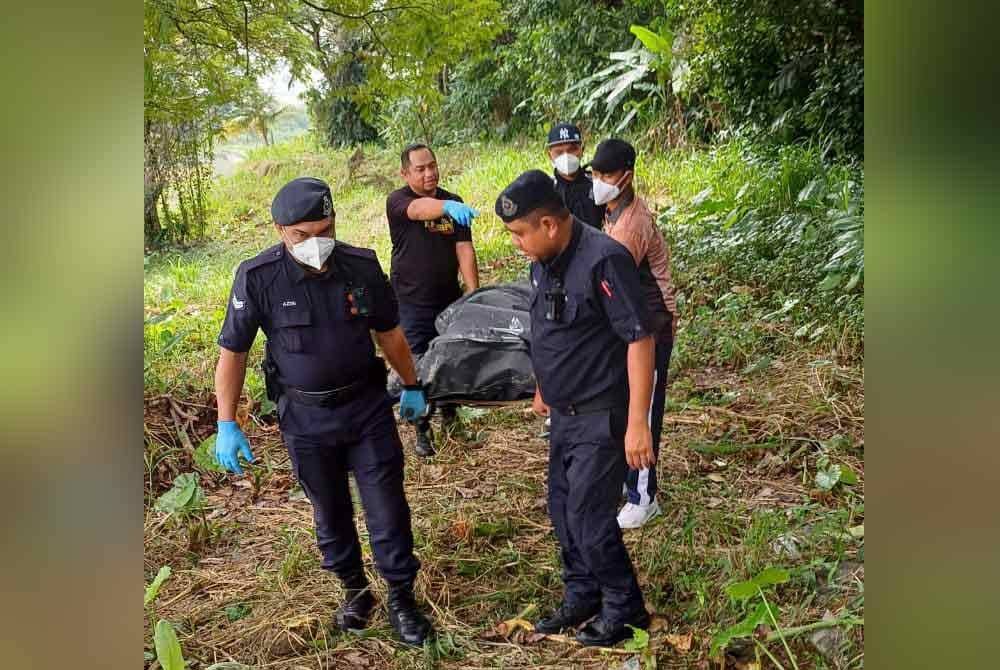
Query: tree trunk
x,y
151,228
152,187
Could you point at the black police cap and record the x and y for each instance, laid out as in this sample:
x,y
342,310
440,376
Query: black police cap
x,y
302,199
533,189
564,132
613,155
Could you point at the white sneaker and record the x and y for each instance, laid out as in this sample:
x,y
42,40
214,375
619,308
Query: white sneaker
x,y
635,516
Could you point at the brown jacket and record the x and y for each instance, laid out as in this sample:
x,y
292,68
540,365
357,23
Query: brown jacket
x,y
636,229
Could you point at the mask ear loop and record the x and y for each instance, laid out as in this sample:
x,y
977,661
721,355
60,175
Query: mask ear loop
x,y
624,176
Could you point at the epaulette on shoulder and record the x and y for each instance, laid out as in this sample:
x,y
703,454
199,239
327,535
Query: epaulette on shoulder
x,y
266,257
359,252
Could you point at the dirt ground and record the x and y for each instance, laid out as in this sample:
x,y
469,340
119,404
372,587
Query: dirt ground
x,y
737,469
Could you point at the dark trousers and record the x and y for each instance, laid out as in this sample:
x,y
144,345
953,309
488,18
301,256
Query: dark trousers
x,y
375,455
586,472
417,322
641,484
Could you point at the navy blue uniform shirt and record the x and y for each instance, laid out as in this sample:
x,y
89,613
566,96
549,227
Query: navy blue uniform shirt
x,y
315,342
578,196
583,355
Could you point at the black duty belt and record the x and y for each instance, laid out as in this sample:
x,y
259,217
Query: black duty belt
x,y
610,399
331,398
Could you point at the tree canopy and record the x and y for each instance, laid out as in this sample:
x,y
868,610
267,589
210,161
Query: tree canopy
x,y
668,72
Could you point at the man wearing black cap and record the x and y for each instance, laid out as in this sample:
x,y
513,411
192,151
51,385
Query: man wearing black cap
x,y
574,185
592,355
629,221
317,301
431,245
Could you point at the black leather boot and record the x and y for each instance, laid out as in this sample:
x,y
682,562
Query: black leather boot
x,y
409,622
601,633
566,617
358,603
425,440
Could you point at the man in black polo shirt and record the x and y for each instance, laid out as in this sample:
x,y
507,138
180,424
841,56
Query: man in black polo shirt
x,y
431,245
573,184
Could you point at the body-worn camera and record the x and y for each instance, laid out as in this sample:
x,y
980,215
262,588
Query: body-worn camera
x,y
555,300
361,299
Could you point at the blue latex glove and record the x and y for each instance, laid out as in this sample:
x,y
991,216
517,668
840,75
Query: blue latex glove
x,y
229,444
460,212
412,403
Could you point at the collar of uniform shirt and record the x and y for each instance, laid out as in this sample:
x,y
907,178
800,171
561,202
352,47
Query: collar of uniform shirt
x,y
558,264
299,273
581,175
626,200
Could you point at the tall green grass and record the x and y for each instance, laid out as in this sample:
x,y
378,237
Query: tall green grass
x,y
186,289
728,278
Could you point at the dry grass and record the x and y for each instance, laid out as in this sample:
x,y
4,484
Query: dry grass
x,y
736,476
484,538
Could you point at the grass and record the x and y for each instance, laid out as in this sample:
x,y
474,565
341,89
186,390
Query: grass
x,y
749,418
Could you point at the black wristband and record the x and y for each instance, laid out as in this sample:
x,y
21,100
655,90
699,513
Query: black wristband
x,y
414,387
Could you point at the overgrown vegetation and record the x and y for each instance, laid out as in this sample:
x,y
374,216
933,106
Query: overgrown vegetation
x,y
768,247
762,464
748,119
671,73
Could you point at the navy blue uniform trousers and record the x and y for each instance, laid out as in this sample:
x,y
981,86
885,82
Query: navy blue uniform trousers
x,y
641,484
586,471
367,443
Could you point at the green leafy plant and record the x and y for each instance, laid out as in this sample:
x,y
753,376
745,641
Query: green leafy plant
x,y
829,474
153,589
766,613
185,503
204,455
168,648
237,612
763,613
608,88
185,497
640,643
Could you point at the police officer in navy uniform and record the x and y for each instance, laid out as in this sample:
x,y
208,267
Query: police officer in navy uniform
x,y
317,301
592,354
572,182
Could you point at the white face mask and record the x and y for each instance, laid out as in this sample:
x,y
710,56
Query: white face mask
x,y
604,192
566,163
314,251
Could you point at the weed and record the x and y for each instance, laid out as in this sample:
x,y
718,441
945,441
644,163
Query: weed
x,y
753,405
298,557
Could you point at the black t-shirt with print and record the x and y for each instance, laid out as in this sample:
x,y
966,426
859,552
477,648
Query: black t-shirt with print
x,y
424,264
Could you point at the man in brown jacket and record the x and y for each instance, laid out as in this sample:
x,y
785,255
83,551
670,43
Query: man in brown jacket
x,y
628,220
